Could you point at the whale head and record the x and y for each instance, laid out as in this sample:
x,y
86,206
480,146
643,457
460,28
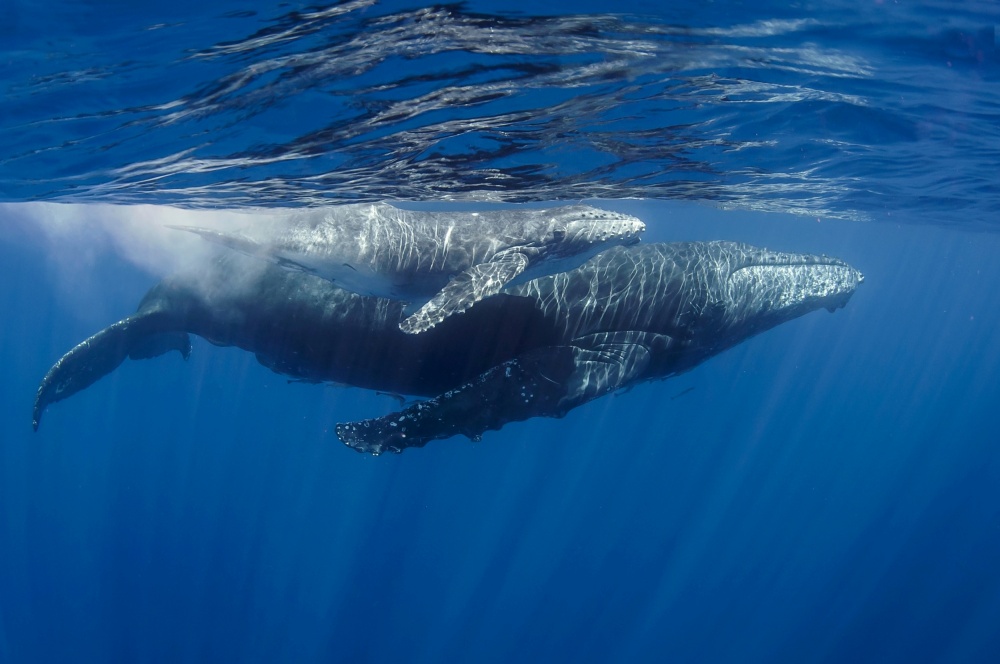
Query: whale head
x,y
759,289
582,226
580,232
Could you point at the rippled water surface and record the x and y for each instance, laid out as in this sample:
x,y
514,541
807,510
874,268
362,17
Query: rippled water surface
x,y
828,109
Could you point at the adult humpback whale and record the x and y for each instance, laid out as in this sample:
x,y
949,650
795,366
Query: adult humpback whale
x,y
442,262
630,314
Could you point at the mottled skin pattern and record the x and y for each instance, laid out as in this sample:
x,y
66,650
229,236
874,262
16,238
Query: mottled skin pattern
x,y
440,262
630,314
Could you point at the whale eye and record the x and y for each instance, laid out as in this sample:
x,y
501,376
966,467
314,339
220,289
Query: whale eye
x,y
559,234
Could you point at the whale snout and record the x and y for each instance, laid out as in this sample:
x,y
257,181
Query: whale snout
x,y
632,230
763,281
601,227
626,232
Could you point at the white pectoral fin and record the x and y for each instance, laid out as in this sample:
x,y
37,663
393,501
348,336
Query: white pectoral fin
x,y
543,382
608,361
478,282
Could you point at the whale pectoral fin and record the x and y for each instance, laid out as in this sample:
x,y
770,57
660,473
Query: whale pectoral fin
x,y
603,369
547,382
524,387
478,282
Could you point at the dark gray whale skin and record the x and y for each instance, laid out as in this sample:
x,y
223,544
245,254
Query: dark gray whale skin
x,y
301,326
628,315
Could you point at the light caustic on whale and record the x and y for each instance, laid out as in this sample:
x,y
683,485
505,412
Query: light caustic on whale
x,y
439,262
538,349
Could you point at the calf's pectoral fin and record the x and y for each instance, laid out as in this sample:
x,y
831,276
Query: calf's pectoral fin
x,y
547,382
478,282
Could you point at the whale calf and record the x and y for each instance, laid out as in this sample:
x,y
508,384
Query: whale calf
x,y
440,262
538,349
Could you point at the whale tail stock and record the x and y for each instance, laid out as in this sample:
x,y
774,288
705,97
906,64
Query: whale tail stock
x,y
135,337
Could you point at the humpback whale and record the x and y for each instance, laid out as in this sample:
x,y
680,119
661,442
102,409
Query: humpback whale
x,y
541,348
440,262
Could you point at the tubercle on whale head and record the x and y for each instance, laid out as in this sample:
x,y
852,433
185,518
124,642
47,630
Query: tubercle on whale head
x,y
585,213
585,230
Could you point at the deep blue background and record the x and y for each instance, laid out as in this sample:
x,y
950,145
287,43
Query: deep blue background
x,y
826,492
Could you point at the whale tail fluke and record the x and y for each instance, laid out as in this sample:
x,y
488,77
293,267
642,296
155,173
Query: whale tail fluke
x,y
100,355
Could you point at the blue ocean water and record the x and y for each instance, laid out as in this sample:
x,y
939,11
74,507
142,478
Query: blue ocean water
x,y
825,492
